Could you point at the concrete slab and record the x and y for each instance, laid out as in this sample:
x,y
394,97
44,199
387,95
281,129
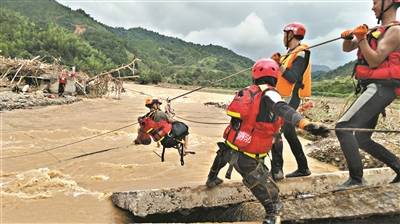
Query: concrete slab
x,y
304,198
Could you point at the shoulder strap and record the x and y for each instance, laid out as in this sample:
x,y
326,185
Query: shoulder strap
x,y
293,55
377,32
265,87
150,114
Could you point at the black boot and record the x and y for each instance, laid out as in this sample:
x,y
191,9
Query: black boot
x,y
272,211
277,175
213,182
299,173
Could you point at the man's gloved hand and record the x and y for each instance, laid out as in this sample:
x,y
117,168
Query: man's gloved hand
x,y
347,35
314,128
361,32
277,57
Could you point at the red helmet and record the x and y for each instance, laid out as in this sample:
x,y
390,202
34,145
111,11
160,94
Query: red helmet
x,y
265,68
298,29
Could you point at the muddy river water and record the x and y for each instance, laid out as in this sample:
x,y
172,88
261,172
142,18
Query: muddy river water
x,y
47,187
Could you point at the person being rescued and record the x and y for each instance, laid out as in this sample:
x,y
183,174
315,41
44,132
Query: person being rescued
x,y
157,125
257,114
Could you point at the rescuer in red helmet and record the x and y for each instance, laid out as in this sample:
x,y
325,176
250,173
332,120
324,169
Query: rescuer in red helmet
x,y
294,83
257,113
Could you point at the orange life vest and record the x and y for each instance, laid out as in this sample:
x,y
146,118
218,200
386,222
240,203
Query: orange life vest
x,y
250,131
284,87
389,69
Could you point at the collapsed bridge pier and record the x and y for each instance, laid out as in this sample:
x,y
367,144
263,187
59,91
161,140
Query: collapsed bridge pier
x,y
307,198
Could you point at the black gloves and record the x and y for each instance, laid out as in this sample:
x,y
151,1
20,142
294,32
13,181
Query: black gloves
x,y
317,129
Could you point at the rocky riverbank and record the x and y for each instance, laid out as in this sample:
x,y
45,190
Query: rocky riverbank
x,y
12,101
328,150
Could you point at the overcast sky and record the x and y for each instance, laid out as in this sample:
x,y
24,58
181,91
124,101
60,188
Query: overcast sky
x,y
250,28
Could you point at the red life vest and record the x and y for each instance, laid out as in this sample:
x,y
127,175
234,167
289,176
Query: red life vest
x,y
251,133
142,137
389,69
157,130
62,80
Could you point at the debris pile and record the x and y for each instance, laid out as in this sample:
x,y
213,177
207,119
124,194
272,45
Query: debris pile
x,y
11,101
33,71
34,77
328,149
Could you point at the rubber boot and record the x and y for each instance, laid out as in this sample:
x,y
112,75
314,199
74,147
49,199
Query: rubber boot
x,y
299,173
277,175
213,182
220,161
212,179
273,213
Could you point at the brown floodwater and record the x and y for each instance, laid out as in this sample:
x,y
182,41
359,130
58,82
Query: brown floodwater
x,y
47,187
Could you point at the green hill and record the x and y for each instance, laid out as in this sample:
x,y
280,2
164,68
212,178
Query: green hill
x,y
47,28
94,46
24,39
337,82
341,71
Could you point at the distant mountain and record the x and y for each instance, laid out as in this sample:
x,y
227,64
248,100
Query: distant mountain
x,y
47,28
318,71
320,68
341,71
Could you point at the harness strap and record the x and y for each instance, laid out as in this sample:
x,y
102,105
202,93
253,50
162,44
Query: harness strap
x,y
256,156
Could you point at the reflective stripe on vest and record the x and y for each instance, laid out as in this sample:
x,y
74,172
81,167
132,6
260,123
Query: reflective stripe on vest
x,y
284,87
252,155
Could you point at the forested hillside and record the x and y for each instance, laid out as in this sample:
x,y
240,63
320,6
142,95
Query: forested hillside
x,y
54,30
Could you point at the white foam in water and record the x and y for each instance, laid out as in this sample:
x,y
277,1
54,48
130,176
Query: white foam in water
x,y
44,183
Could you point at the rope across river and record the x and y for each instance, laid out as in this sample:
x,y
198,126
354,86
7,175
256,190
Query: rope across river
x,y
68,144
185,119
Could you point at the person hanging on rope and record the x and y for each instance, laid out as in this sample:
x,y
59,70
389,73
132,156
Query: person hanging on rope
x,y
257,113
293,83
161,124
378,73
